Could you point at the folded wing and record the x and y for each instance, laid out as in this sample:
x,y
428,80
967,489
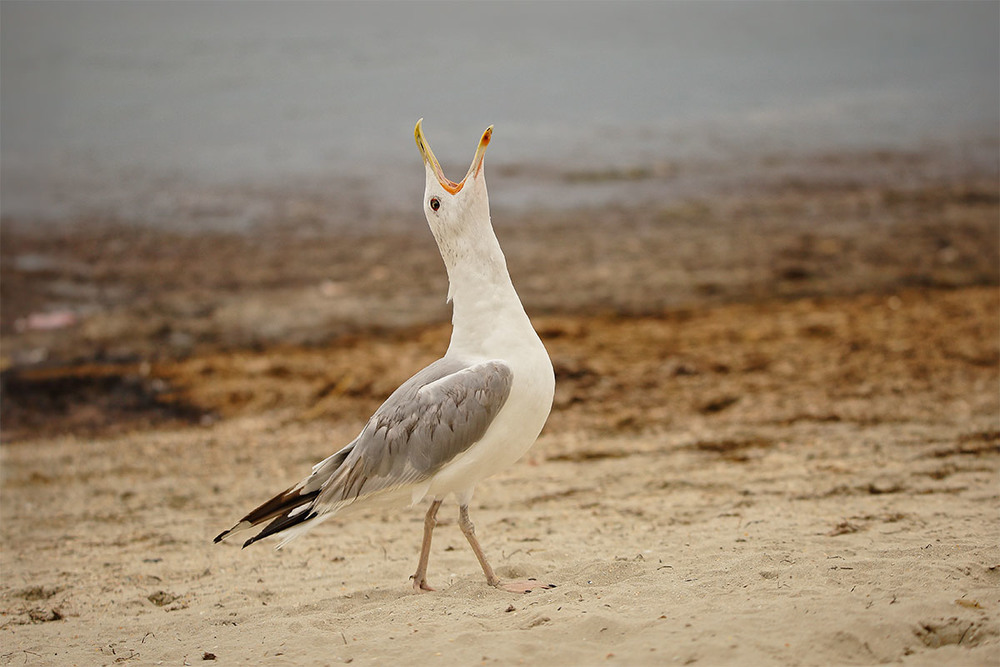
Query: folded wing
x,y
429,420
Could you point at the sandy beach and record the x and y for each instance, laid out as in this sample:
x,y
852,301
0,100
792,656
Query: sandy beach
x,y
775,438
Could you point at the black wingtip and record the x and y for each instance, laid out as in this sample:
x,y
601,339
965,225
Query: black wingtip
x,y
221,536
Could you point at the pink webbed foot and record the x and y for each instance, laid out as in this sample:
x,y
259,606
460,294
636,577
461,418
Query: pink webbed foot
x,y
421,586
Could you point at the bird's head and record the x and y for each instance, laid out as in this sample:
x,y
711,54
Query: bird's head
x,y
448,204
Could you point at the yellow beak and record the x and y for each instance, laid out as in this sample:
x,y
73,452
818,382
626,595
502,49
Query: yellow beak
x,y
428,155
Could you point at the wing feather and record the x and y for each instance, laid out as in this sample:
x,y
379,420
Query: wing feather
x,y
433,417
425,424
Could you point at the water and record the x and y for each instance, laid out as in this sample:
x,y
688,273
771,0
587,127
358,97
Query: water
x,y
165,111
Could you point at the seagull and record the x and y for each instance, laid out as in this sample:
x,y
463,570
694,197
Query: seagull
x,y
470,414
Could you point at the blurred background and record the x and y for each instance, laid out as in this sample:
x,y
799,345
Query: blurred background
x,y
156,111
180,179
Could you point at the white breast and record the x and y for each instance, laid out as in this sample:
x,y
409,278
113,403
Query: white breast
x,y
516,426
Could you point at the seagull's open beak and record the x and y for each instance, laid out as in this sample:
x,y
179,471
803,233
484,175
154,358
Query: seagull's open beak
x,y
429,159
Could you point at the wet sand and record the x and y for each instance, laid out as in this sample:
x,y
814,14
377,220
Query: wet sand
x,y
775,438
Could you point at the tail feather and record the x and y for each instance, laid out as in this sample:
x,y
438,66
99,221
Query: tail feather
x,y
283,522
292,507
281,506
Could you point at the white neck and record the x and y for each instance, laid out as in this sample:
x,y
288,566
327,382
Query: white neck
x,y
488,317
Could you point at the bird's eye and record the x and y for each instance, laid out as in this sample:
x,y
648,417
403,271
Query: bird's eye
x,y
435,203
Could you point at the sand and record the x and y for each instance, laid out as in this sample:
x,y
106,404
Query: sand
x,y
766,448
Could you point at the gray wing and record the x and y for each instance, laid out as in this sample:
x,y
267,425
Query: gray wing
x,y
435,415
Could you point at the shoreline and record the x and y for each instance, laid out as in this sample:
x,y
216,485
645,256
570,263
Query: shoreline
x,y
127,291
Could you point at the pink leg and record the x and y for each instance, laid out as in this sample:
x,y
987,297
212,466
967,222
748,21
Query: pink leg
x,y
516,586
420,576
